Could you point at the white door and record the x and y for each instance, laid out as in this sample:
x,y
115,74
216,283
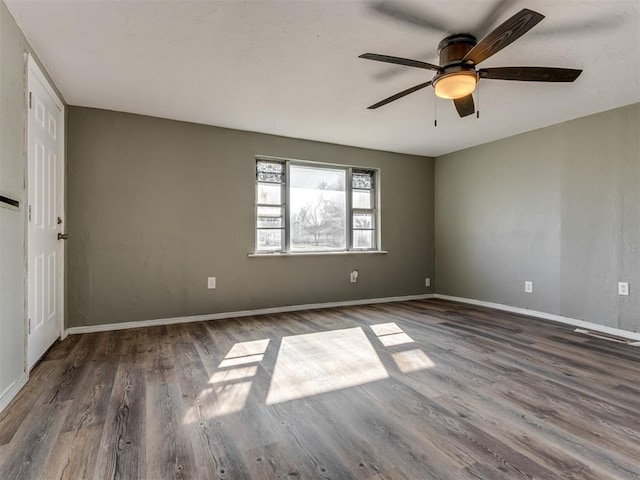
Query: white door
x,y
45,263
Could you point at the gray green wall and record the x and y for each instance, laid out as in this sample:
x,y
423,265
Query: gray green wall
x,y
13,161
156,206
559,206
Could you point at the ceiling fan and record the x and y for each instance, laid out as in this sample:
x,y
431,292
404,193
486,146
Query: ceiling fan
x,y
457,76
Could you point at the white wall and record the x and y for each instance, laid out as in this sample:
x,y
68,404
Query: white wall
x,y
13,160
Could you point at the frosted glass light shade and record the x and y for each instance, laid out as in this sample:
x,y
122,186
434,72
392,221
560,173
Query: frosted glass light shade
x,y
456,85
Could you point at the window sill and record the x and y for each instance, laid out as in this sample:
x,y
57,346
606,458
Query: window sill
x,y
313,254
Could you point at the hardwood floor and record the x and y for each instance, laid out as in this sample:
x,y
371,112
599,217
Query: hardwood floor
x,y
417,390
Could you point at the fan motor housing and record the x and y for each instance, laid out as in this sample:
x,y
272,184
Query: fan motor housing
x,y
453,48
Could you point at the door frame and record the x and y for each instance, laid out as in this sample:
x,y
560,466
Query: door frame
x,y
33,71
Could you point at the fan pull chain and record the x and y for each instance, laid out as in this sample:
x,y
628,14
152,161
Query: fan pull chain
x,y
478,99
435,111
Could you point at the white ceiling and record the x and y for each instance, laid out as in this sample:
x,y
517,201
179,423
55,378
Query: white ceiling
x,y
291,68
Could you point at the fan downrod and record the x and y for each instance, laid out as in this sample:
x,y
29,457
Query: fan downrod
x,y
453,48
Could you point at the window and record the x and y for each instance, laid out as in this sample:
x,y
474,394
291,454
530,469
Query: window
x,y
313,207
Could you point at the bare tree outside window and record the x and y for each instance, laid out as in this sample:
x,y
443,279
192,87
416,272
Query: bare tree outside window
x,y
318,208
305,207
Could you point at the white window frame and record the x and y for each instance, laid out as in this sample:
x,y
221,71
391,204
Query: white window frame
x,y
287,162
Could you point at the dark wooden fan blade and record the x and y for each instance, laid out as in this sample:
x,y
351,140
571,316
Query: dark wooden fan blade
x,y
508,32
491,17
399,95
530,74
400,61
408,14
465,105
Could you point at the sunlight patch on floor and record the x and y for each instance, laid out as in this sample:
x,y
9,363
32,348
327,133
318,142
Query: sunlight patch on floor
x,y
323,362
395,339
253,347
412,360
390,334
306,365
233,374
232,362
231,384
245,352
221,399
231,398
386,329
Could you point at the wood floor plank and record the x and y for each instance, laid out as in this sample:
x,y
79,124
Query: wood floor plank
x,y
370,446
42,378
74,454
275,460
77,360
4,449
92,397
168,449
122,447
507,424
407,390
30,448
109,348
215,452
61,349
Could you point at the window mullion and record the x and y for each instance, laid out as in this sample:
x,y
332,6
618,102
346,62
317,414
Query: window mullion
x,y
287,206
374,212
349,209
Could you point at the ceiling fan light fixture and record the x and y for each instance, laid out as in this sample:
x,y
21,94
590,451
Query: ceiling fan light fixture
x,y
456,85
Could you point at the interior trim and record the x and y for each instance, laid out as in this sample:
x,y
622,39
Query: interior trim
x,y
13,389
311,254
315,306
546,316
238,314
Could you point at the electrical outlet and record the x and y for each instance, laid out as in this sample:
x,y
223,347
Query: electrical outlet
x,y
528,287
353,276
623,288
211,283
427,282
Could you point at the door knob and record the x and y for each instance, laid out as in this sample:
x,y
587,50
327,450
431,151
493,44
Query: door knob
x,y
63,236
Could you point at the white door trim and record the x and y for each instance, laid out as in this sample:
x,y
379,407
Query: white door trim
x,y
34,69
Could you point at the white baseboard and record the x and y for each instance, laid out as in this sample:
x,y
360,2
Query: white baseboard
x,y
367,301
546,316
243,313
12,391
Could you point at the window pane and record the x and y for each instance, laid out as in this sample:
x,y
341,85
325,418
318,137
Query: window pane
x,y
270,240
363,239
363,220
272,172
270,217
318,208
362,179
362,199
270,193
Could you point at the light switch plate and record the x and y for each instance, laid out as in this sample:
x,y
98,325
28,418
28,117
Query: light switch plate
x,y
211,283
